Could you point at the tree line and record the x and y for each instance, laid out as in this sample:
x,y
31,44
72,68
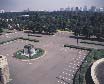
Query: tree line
x,y
80,22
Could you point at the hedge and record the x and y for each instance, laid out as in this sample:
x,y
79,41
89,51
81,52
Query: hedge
x,y
92,43
77,47
34,40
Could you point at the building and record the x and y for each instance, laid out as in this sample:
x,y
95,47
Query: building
x,y
76,8
61,9
27,10
4,70
80,9
101,9
24,16
72,9
2,11
85,8
67,9
93,9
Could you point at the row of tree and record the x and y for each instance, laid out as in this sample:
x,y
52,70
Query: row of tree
x,y
81,23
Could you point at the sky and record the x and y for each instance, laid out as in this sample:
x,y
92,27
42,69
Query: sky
x,y
20,5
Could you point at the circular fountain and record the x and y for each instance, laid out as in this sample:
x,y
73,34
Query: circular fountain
x,y
29,52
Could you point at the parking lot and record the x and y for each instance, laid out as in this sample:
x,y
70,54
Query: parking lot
x,y
57,66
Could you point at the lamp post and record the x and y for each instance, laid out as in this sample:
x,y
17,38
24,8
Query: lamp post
x,y
77,39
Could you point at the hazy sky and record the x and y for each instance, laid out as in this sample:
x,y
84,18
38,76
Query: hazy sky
x,y
19,5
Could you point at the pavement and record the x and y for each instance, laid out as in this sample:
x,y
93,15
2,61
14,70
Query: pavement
x,y
57,66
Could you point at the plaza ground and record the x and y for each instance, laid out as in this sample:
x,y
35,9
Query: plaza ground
x,y
57,66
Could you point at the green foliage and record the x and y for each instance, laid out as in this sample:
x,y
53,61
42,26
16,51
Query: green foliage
x,y
34,40
85,23
18,55
1,30
93,55
81,23
77,47
99,55
91,43
39,52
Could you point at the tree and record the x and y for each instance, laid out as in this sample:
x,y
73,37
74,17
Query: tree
x,y
1,30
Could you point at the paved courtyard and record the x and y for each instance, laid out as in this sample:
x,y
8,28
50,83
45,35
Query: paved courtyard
x,y
57,66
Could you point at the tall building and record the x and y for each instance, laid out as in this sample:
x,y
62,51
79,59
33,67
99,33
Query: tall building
x,y
2,11
80,9
72,9
76,8
27,10
93,9
85,8
67,9
97,9
101,9
61,9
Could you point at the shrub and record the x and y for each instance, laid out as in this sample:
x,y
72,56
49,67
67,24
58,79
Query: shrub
x,y
77,47
34,40
92,43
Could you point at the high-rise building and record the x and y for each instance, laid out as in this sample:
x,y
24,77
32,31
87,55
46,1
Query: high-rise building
x,y
80,9
97,9
2,11
85,8
27,10
101,9
72,9
67,9
76,8
61,9
93,8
